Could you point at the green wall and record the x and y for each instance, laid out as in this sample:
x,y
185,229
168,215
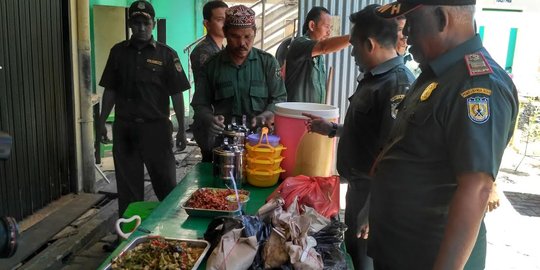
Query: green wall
x,y
184,24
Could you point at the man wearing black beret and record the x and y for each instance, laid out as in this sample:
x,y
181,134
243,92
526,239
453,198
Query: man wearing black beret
x,y
435,173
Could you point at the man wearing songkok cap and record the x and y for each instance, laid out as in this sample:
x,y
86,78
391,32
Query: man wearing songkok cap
x,y
239,80
305,70
434,176
140,76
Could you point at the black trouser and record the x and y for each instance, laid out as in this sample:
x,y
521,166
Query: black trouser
x,y
139,143
204,138
356,197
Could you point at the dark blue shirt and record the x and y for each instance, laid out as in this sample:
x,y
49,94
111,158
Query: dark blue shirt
x,y
370,116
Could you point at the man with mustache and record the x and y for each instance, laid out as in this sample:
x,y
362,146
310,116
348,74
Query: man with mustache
x,y
239,80
305,70
435,174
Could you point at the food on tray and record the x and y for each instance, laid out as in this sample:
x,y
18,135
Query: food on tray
x,y
213,199
159,254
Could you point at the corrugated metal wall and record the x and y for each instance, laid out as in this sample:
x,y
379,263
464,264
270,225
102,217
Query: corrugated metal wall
x,y
345,71
34,105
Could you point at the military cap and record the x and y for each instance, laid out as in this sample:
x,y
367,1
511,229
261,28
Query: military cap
x,y
143,8
240,16
402,7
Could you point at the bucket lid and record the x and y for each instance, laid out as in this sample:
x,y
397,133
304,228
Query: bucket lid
x,y
272,139
295,110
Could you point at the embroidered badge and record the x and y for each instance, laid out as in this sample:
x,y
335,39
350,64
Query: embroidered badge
x,y
141,5
471,91
393,8
154,62
477,64
394,103
427,92
278,73
478,109
178,65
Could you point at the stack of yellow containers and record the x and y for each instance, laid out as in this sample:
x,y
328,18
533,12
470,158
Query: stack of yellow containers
x,y
263,161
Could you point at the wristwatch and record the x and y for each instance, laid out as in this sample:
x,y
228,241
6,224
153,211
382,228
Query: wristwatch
x,y
333,131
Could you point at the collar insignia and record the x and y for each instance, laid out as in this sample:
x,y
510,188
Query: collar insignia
x,y
477,64
427,92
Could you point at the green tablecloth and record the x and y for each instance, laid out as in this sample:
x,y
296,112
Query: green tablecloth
x,y
170,220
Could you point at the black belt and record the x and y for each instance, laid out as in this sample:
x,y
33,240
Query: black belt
x,y
140,120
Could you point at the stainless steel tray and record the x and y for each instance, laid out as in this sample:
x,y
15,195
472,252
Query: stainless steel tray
x,y
210,213
142,239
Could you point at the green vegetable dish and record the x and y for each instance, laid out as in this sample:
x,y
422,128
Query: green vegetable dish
x,y
159,254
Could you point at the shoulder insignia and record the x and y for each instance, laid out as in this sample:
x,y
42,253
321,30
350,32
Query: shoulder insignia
x,y
472,91
478,109
477,64
178,65
394,103
427,92
154,62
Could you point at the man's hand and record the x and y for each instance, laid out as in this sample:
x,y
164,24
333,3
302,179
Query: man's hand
x,y
181,142
217,124
363,231
102,133
266,119
317,124
494,201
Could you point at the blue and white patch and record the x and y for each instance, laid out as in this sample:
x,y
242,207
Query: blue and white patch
x,y
478,109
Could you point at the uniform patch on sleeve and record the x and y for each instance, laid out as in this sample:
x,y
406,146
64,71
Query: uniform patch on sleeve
x,y
478,109
427,92
472,91
278,73
178,65
477,64
394,103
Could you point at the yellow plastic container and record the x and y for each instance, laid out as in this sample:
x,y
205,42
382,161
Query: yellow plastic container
x,y
264,163
264,151
263,178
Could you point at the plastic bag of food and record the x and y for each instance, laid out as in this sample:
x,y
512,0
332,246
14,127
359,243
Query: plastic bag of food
x,y
320,193
233,252
329,241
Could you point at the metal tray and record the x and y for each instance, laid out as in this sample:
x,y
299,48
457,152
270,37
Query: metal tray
x,y
210,213
142,239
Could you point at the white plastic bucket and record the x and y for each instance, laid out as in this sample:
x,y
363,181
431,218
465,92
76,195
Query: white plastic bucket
x,y
308,154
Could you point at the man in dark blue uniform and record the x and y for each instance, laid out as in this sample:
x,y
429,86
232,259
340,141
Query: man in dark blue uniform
x,y
214,19
435,174
140,76
369,118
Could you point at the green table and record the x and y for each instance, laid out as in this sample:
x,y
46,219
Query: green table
x,y
170,220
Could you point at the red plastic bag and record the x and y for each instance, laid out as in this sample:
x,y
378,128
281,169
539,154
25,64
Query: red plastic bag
x,y
320,193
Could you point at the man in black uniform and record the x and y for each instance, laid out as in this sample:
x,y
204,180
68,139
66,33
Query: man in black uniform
x,y
139,77
435,173
369,118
